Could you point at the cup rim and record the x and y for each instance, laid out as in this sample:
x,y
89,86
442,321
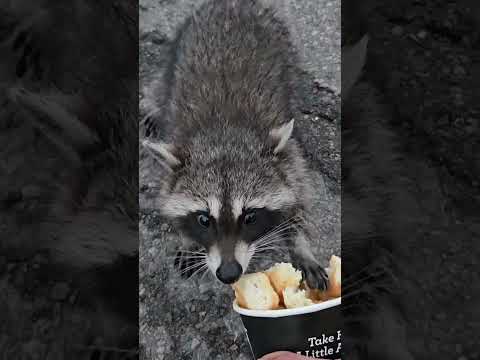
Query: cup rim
x,y
287,312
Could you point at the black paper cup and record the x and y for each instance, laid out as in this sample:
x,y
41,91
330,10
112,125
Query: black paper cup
x,y
313,331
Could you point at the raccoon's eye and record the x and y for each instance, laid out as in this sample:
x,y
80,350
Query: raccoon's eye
x,y
250,217
203,220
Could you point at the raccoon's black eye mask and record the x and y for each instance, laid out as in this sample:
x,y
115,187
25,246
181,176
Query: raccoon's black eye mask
x,y
248,217
252,224
255,223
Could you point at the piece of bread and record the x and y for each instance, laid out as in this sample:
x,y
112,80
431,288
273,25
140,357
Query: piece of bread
x,y
334,289
254,291
293,297
283,275
335,277
280,287
316,295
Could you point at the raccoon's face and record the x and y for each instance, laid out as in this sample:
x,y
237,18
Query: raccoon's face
x,y
228,239
228,195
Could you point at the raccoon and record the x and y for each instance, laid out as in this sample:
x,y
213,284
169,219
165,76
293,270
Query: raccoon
x,y
236,181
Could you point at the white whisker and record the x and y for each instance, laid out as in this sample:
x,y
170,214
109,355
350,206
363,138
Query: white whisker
x,y
271,241
284,224
272,248
275,240
187,257
287,224
280,243
205,272
193,252
284,232
194,266
203,267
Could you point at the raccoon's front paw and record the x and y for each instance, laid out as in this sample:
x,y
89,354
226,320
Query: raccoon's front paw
x,y
187,264
314,274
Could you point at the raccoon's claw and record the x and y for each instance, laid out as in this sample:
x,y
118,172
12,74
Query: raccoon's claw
x,y
185,264
315,275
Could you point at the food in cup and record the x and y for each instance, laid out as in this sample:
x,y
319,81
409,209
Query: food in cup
x,y
295,297
281,287
335,277
254,291
282,276
334,289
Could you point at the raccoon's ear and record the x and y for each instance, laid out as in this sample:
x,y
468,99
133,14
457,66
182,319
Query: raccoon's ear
x,y
353,61
165,151
280,135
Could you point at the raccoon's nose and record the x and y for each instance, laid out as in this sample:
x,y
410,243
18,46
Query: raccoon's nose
x,y
229,272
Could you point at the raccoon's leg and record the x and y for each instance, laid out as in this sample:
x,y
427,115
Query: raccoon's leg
x,y
303,259
188,261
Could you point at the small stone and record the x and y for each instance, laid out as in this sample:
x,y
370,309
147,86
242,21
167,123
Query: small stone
x,y
194,344
164,227
152,252
204,288
152,269
397,30
60,291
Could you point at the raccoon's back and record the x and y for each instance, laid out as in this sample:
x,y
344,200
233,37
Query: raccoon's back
x,y
233,64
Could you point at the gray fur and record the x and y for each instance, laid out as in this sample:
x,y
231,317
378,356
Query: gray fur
x,y
229,114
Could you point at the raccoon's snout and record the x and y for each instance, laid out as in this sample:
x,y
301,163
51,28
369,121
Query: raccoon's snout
x,y
229,271
228,267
